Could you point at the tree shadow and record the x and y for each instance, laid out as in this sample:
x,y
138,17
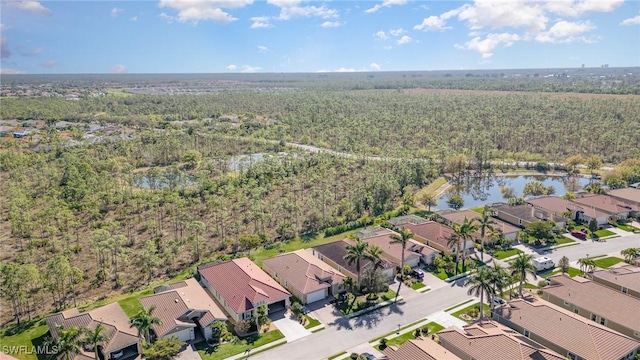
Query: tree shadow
x,y
369,320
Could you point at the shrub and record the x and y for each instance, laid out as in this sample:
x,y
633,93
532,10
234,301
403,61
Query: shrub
x,y
296,307
383,342
417,333
425,330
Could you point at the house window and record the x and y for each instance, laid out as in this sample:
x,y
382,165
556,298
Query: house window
x,y
576,310
636,334
572,356
527,333
625,290
566,303
603,321
594,317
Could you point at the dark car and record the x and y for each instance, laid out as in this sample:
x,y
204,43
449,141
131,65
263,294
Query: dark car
x,y
417,273
579,234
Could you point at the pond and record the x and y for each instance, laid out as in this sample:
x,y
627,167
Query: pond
x,y
244,162
477,192
163,180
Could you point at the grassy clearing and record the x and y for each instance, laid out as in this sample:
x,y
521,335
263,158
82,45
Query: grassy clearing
x,y
417,285
455,306
503,254
607,262
311,322
226,350
604,232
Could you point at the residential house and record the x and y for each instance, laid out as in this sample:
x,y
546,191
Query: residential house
x,y
615,208
457,217
418,349
591,300
333,254
426,252
183,308
435,235
560,206
240,286
564,332
304,275
383,238
488,340
625,278
523,215
630,195
122,340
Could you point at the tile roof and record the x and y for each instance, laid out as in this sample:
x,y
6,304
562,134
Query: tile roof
x,y
528,212
629,193
303,271
491,341
432,231
241,283
559,205
336,251
419,349
117,330
567,330
420,248
392,251
625,275
605,203
597,298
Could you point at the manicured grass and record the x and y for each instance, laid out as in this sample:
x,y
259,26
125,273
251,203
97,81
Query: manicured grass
x,y
529,286
479,209
442,274
563,240
28,333
626,227
431,188
337,355
457,314
455,306
433,328
362,302
571,272
604,232
311,322
226,350
503,254
417,285
607,262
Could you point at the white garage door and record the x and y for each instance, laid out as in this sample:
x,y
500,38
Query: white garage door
x,y
315,296
412,262
183,335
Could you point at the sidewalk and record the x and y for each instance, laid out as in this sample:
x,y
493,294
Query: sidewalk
x,y
258,349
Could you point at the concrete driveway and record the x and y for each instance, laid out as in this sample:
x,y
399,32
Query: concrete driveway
x,y
289,326
188,353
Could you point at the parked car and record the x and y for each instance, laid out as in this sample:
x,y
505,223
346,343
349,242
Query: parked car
x,y
579,234
498,301
543,263
417,273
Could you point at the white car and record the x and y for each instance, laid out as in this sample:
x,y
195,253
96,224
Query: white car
x,y
498,301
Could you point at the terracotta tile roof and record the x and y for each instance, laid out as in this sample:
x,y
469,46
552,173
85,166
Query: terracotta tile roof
x,y
420,248
625,275
419,349
303,271
596,298
118,332
528,213
241,283
392,251
628,193
567,330
431,231
336,251
605,203
559,205
491,341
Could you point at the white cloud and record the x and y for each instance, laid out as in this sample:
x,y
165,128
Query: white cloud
x,y
289,12
564,31
194,10
375,67
487,45
260,22
250,69
381,35
404,40
134,18
397,32
385,3
330,24
4,48
504,13
342,69
263,49
118,69
432,23
232,67
5,71
116,11
49,63
167,18
28,5
33,52
631,21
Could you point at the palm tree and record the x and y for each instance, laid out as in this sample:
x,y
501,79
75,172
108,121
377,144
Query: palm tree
x,y
374,253
349,284
355,254
499,279
520,267
401,238
464,231
480,286
143,321
629,254
485,223
586,265
67,342
94,338
452,241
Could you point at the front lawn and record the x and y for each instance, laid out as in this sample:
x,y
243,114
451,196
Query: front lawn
x,y
311,322
529,286
362,302
417,285
240,346
604,232
503,254
442,274
470,308
563,240
605,263
626,227
434,327
571,272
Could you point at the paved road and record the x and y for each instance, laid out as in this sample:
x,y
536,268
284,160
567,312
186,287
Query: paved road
x,y
344,334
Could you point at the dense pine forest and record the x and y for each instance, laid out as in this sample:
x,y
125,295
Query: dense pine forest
x,y
83,220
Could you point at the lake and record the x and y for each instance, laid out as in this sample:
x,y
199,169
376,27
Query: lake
x,y
486,190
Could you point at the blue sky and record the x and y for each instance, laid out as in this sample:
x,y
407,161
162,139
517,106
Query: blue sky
x,y
218,36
